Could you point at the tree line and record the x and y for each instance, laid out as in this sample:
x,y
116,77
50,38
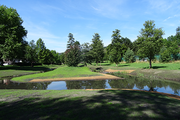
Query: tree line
x,y
148,44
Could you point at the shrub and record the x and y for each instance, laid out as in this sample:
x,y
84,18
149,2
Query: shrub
x,y
165,55
129,56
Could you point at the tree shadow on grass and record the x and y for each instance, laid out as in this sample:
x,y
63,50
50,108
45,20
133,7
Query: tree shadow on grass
x,y
122,65
24,68
155,67
105,105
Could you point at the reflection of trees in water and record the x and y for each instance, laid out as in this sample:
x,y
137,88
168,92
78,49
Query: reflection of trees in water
x,y
140,83
121,84
30,86
88,84
38,86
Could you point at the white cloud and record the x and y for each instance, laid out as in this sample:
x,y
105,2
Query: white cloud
x,y
46,9
177,15
163,5
51,41
109,8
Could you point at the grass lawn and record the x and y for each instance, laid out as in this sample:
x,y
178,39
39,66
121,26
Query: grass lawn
x,y
61,72
17,70
144,65
86,105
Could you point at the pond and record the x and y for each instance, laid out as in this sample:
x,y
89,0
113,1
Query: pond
x,y
128,83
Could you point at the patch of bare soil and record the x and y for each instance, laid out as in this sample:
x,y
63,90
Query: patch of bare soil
x,y
127,71
105,76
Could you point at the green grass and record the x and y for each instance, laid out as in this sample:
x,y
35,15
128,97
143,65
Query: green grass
x,y
145,65
61,72
86,105
10,70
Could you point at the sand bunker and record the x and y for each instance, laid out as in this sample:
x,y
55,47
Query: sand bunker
x,y
127,71
105,76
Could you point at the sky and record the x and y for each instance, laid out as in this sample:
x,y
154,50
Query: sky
x,y
53,20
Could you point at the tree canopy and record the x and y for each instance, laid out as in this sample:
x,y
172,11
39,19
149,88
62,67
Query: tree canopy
x,y
97,50
116,49
150,41
12,34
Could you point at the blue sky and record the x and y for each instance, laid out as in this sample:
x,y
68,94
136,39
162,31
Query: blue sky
x,y
54,20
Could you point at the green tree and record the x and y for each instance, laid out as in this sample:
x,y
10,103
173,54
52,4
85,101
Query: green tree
x,y
62,58
86,57
178,35
12,34
55,58
171,43
70,41
40,49
31,55
165,55
115,49
45,56
73,53
129,56
150,41
97,50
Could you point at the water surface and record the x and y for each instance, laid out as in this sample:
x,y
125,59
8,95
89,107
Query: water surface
x,y
138,84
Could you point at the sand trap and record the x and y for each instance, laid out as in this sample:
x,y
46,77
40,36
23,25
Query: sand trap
x,y
127,71
105,76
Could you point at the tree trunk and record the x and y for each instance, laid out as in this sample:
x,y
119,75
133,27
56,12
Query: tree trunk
x,y
31,64
150,63
1,61
96,63
116,64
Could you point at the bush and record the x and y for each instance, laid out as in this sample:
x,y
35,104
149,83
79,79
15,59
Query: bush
x,y
165,55
129,56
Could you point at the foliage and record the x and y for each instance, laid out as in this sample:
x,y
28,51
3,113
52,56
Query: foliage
x,y
165,55
41,50
73,53
45,56
97,50
86,57
178,34
129,56
150,41
62,58
12,34
115,49
31,55
171,43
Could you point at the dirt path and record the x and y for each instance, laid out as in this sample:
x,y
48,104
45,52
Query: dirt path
x,y
105,76
127,71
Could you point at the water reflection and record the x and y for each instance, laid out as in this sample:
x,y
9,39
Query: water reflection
x,y
128,83
7,84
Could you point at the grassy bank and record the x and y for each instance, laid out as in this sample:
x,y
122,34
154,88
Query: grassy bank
x,y
6,71
144,65
61,72
168,71
83,104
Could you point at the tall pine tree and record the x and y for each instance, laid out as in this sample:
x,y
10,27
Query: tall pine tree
x,y
97,50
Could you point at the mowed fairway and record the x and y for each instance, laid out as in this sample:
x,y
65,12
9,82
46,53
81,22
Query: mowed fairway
x,y
86,105
61,72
